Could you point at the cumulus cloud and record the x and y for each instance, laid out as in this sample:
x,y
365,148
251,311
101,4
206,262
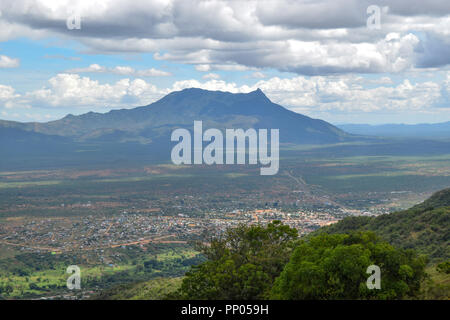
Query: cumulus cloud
x,y
325,42
121,70
71,90
7,62
7,93
321,95
310,95
394,53
301,36
8,97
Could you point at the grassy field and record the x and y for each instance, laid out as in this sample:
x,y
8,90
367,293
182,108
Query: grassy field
x,y
32,280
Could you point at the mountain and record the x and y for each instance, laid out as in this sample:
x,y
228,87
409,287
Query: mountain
x,y
216,109
424,227
436,130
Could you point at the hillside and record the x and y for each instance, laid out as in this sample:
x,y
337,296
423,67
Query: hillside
x,y
424,227
179,109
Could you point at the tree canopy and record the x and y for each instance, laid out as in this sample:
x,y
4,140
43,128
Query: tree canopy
x,y
242,264
335,267
257,262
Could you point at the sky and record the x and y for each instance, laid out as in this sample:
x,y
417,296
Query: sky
x,y
343,61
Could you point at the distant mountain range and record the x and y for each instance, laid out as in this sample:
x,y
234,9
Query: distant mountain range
x,y
436,130
179,109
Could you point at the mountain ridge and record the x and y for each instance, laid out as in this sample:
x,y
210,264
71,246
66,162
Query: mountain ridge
x,y
217,109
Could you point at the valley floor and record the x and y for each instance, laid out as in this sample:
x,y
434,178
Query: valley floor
x,y
138,223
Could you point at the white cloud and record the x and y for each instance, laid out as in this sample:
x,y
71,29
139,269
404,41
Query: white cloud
x,y
7,93
327,97
258,75
121,70
208,67
317,95
307,37
203,67
382,80
152,73
211,76
7,62
71,90
9,99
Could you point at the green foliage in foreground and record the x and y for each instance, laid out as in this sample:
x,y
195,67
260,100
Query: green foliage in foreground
x,y
424,228
154,289
444,267
334,267
437,284
241,265
256,262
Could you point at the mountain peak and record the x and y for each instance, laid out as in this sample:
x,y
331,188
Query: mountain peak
x,y
258,93
254,97
218,109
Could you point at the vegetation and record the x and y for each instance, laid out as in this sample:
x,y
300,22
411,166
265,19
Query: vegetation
x,y
255,262
154,289
242,264
444,267
26,273
31,275
424,227
436,285
270,262
334,267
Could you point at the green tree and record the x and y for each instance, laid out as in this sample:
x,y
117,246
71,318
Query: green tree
x,y
444,267
242,264
334,267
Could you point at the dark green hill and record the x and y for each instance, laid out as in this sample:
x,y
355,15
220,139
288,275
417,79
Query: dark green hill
x,y
437,200
424,227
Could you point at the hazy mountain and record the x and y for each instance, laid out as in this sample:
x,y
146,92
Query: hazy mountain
x,y
436,130
179,109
